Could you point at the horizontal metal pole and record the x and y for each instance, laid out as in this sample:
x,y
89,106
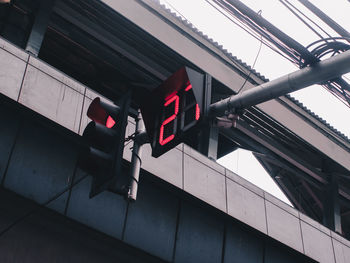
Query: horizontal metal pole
x,y
322,71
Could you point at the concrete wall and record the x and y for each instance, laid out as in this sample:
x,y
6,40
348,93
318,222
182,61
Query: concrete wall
x,y
36,163
45,236
164,222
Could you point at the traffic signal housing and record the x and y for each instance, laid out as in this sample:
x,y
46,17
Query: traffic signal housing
x,y
173,111
104,136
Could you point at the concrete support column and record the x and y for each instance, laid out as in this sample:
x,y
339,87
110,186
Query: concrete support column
x,y
331,212
40,24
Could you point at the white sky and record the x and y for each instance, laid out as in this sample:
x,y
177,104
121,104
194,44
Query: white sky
x,y
270,64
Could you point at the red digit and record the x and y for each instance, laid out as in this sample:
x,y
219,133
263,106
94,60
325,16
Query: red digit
x,y
163,140
198,111
189,86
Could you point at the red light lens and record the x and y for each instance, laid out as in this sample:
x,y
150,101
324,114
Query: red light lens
x,y
110,122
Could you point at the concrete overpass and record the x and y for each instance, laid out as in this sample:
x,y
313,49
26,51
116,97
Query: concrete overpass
x,y
189,208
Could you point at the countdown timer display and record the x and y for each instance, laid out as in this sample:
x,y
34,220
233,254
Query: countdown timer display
x,y
173,110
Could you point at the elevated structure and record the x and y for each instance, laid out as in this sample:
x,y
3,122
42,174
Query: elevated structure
x,y
189,208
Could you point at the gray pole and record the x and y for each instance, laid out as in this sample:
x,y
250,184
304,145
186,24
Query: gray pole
x,y
136,158
39,28
325,70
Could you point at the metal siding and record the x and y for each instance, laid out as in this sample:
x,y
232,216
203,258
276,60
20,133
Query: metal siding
x,y
152,217
200,236
277,254
105,212
243,246
11,209
41,165
45,237
7,136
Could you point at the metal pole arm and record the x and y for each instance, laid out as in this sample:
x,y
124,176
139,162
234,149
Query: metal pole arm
x,y
320,72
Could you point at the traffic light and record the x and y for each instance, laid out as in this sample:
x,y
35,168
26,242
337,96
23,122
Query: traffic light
x,y
104,143
173,111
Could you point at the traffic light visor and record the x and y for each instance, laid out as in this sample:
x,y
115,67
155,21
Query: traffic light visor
x,y
103,113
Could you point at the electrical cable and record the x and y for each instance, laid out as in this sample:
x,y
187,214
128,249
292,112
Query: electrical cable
x,y
126,144
256,58
338,87
330,38
308,18
139,158
252,33
130,138
230,18
289,51
300,18
294,57
41,206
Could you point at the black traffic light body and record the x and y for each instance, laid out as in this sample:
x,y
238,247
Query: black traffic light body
x,y
174,110
104,137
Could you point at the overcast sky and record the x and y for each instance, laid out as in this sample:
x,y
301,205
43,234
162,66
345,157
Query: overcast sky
x,y
270,64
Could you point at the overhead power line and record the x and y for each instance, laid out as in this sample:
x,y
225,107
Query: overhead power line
x,y
287,46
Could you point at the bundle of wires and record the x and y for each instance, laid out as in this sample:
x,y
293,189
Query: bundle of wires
x,y
329,47
287,47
